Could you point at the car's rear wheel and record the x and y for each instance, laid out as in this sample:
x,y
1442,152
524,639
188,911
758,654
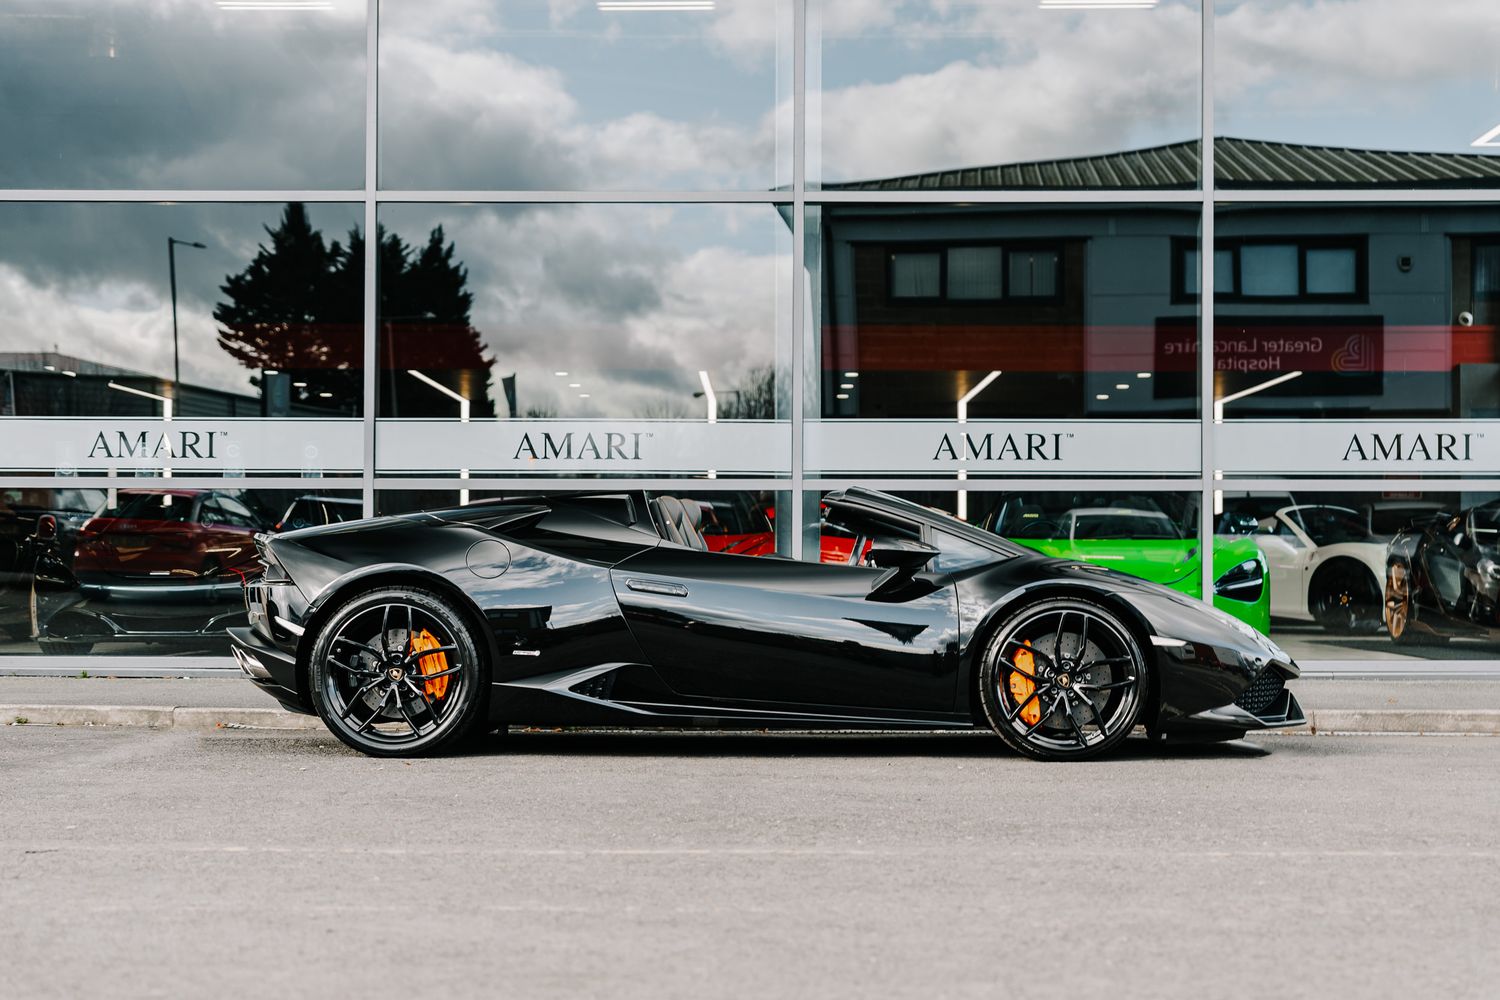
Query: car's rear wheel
x,y
398,673
1063,679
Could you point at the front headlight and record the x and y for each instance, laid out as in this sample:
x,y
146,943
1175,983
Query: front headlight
x,y
1242,583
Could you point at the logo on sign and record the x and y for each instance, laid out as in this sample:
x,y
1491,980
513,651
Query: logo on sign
x,y
155,444
1354,356
599,447
1000,448
1401,447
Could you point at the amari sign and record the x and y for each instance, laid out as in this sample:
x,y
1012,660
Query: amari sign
x,y
1343,447
941,447
95,446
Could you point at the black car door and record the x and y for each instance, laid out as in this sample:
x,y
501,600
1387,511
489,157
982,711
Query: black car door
x,y
768,631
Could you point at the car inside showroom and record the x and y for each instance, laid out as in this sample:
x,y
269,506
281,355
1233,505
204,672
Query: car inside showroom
x,y
816,268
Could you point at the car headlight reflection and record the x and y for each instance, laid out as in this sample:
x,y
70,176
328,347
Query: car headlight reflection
x,y
1244,582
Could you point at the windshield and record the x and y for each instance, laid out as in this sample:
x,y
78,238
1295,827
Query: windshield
x,y
150,507
1331,525
1124,524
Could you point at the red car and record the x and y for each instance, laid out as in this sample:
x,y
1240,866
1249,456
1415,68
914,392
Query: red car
x,y
159,565
745,528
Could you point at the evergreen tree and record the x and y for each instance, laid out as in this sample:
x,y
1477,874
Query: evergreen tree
x,y
296,309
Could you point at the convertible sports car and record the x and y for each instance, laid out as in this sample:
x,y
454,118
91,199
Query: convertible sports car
x,y
408,634
1442,578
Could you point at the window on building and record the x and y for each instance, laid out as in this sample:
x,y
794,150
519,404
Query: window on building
x,y
916,275
974,273
1033,274
1290,270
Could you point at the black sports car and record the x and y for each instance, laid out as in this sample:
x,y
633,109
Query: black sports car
x,y
407,634
1442,577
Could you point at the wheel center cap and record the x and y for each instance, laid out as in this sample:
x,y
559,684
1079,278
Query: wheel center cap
x,y
395,673
1063,680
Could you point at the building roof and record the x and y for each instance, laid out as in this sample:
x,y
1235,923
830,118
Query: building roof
x,y
1238,163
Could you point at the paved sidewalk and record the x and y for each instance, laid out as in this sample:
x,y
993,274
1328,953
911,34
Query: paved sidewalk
x,y
1333,706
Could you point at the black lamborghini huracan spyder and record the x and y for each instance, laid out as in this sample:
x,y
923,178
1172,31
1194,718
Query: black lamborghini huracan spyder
x,y
408,634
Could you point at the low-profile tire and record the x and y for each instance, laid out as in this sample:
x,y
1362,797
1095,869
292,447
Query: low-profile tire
x,y
383,697
1345,598
1086,689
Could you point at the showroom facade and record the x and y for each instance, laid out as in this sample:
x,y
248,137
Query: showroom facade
x,y
747,253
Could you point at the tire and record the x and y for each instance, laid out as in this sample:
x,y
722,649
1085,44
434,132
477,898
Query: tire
x,y
1087,670
1345,599
385,698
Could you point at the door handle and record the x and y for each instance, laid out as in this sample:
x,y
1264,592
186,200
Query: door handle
x,y
657,587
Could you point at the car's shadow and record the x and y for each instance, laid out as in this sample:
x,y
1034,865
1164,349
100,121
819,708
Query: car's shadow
x,y
653,743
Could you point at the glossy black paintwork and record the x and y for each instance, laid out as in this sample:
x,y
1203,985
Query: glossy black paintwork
x,y
592,619
1454,576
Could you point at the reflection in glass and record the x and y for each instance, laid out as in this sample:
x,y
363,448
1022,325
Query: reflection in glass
x,y
1410,104
258,306
191,95
1003,94
1358,310
988,312
140,570
578,311
536,96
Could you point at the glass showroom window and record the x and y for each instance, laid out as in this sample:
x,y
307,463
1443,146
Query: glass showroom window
x,y
165,96
1293,109
187,339
140,570
545,340
1371,320
1005,94
997,339
536,96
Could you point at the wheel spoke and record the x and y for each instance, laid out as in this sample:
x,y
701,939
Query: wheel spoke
x,y
355,700
380,707
1083,740
385,631
1034,649
1044,716
1108,661
442,673
422,654
1083,638
411,629
351,668
1098,716
1034,696
431,705
1114,686
1062,619
416,730
359,645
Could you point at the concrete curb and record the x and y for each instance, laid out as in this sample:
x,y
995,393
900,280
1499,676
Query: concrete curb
x,y
1324,721
156,717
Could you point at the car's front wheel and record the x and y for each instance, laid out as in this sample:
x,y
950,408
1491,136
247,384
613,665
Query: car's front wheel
x,y
1063,679
397,672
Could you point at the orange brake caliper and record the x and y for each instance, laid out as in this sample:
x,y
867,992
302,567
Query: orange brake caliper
x,y
1022,687
434,663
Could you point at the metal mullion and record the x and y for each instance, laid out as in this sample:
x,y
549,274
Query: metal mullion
x,y
1393,196
799,303
587,197
1206,309
538,483
123,195
372,251
1000,197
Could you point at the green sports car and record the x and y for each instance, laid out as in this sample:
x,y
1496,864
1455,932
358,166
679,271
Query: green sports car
x,y
1151,545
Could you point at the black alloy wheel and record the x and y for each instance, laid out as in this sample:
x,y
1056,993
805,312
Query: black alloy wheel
x,y
1063,679
397,673
1345,599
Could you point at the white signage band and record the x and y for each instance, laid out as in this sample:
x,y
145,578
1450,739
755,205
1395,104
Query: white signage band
x,y
1357,447
143,446
634,447
1082,447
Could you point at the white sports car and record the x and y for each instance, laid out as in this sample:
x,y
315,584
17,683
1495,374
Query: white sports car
x,y
1325,566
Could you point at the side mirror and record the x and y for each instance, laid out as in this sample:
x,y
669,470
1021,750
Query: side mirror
x,y
902,554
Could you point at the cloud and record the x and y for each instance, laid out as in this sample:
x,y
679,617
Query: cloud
x,y
179,93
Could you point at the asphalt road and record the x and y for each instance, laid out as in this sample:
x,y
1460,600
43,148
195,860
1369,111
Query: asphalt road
x,y
145,863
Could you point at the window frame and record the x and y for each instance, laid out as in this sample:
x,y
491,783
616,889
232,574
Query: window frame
x,y
889,252
1360,244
